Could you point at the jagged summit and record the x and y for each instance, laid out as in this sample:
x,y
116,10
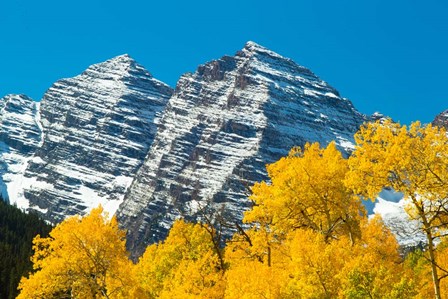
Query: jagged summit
x,y
123,57
119,62
115,135
441,120
116,68
13,95
221,126
96,130
254,48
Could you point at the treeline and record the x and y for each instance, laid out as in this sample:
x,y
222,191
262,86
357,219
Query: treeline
x,y
307,235
17,231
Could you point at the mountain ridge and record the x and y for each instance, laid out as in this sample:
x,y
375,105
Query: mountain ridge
x,y
223,123
115,135
97,127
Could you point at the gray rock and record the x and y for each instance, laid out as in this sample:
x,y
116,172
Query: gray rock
x,y
97,128
20,136
116,136
441,120
220,128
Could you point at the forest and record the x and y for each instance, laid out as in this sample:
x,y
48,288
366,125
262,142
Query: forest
x,y
17,230
306,236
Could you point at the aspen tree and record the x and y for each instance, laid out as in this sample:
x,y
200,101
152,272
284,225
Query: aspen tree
x,y
185,265
84,257
414,161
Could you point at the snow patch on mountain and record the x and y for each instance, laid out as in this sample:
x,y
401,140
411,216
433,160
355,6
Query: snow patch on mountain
x,y
116,136
93,131
20,136
391,206
220,128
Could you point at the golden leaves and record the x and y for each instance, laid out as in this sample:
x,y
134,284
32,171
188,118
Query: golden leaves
x,y
307,191
82,258
307,235
184,265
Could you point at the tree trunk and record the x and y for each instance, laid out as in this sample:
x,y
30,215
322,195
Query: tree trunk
x,y
432,258
269,255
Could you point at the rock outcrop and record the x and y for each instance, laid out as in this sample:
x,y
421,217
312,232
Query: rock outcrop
x,y
441,120
20,136
96,130
219,129
116,136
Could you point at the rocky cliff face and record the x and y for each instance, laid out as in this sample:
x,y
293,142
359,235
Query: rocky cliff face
x,y
101,137
220,128
441,120
96,130
20,136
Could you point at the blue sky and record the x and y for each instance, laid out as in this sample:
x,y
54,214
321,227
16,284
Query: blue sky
x,y
387,56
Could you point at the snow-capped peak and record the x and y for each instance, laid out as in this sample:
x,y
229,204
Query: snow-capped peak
x,y
220,128
20,136
92,133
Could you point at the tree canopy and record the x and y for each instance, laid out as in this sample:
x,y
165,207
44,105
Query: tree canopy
x,y
414,161
307,235
84,257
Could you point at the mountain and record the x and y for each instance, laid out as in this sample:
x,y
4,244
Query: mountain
x,y
220,127
93,132
20,136
441,120
114,135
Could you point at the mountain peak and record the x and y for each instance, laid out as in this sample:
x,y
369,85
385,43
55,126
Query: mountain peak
x,y
220,128
441,120
116,68
253,46
120,61
18,99
123,58
107,115
17,96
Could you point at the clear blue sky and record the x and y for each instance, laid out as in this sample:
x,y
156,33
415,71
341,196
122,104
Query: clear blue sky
x,y
387,56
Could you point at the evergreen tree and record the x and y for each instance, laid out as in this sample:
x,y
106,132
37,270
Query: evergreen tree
x,y
17,230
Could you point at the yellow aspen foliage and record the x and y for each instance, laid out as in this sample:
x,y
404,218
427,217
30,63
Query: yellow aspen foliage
x,y
309,237
374,269
185,265
257,265
442,263
379,240
307,191
305,265
314,265
83,258
418,264
413,160
250,279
